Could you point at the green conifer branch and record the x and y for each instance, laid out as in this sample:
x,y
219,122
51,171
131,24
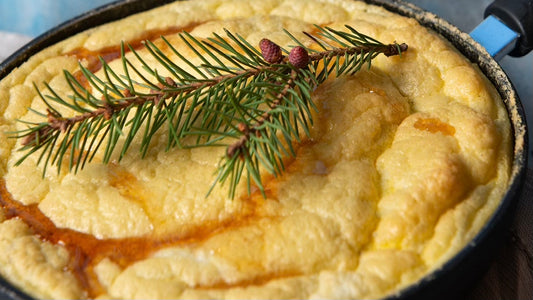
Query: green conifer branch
x,y
256,104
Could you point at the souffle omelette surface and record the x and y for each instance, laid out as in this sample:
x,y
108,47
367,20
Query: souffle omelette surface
x,y
405,162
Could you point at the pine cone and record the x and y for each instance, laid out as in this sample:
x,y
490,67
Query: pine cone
x,y
270,51
299,57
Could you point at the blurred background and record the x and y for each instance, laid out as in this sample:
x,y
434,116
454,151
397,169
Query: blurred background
x,y
22,20
33,17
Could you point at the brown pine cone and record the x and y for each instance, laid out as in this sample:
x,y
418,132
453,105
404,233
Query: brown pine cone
x,y
299,57
270,51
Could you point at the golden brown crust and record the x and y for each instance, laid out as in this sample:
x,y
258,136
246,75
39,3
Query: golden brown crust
x,y
406,162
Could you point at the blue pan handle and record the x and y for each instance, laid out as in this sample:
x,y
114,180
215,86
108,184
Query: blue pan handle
x,y
507,28
518,16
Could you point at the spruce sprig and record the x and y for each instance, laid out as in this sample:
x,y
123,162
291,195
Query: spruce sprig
x,y
238,97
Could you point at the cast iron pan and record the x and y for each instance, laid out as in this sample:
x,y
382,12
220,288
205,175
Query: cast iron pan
x,y
448,282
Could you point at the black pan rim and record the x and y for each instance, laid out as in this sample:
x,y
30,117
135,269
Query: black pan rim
x,y
462,41
493,231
